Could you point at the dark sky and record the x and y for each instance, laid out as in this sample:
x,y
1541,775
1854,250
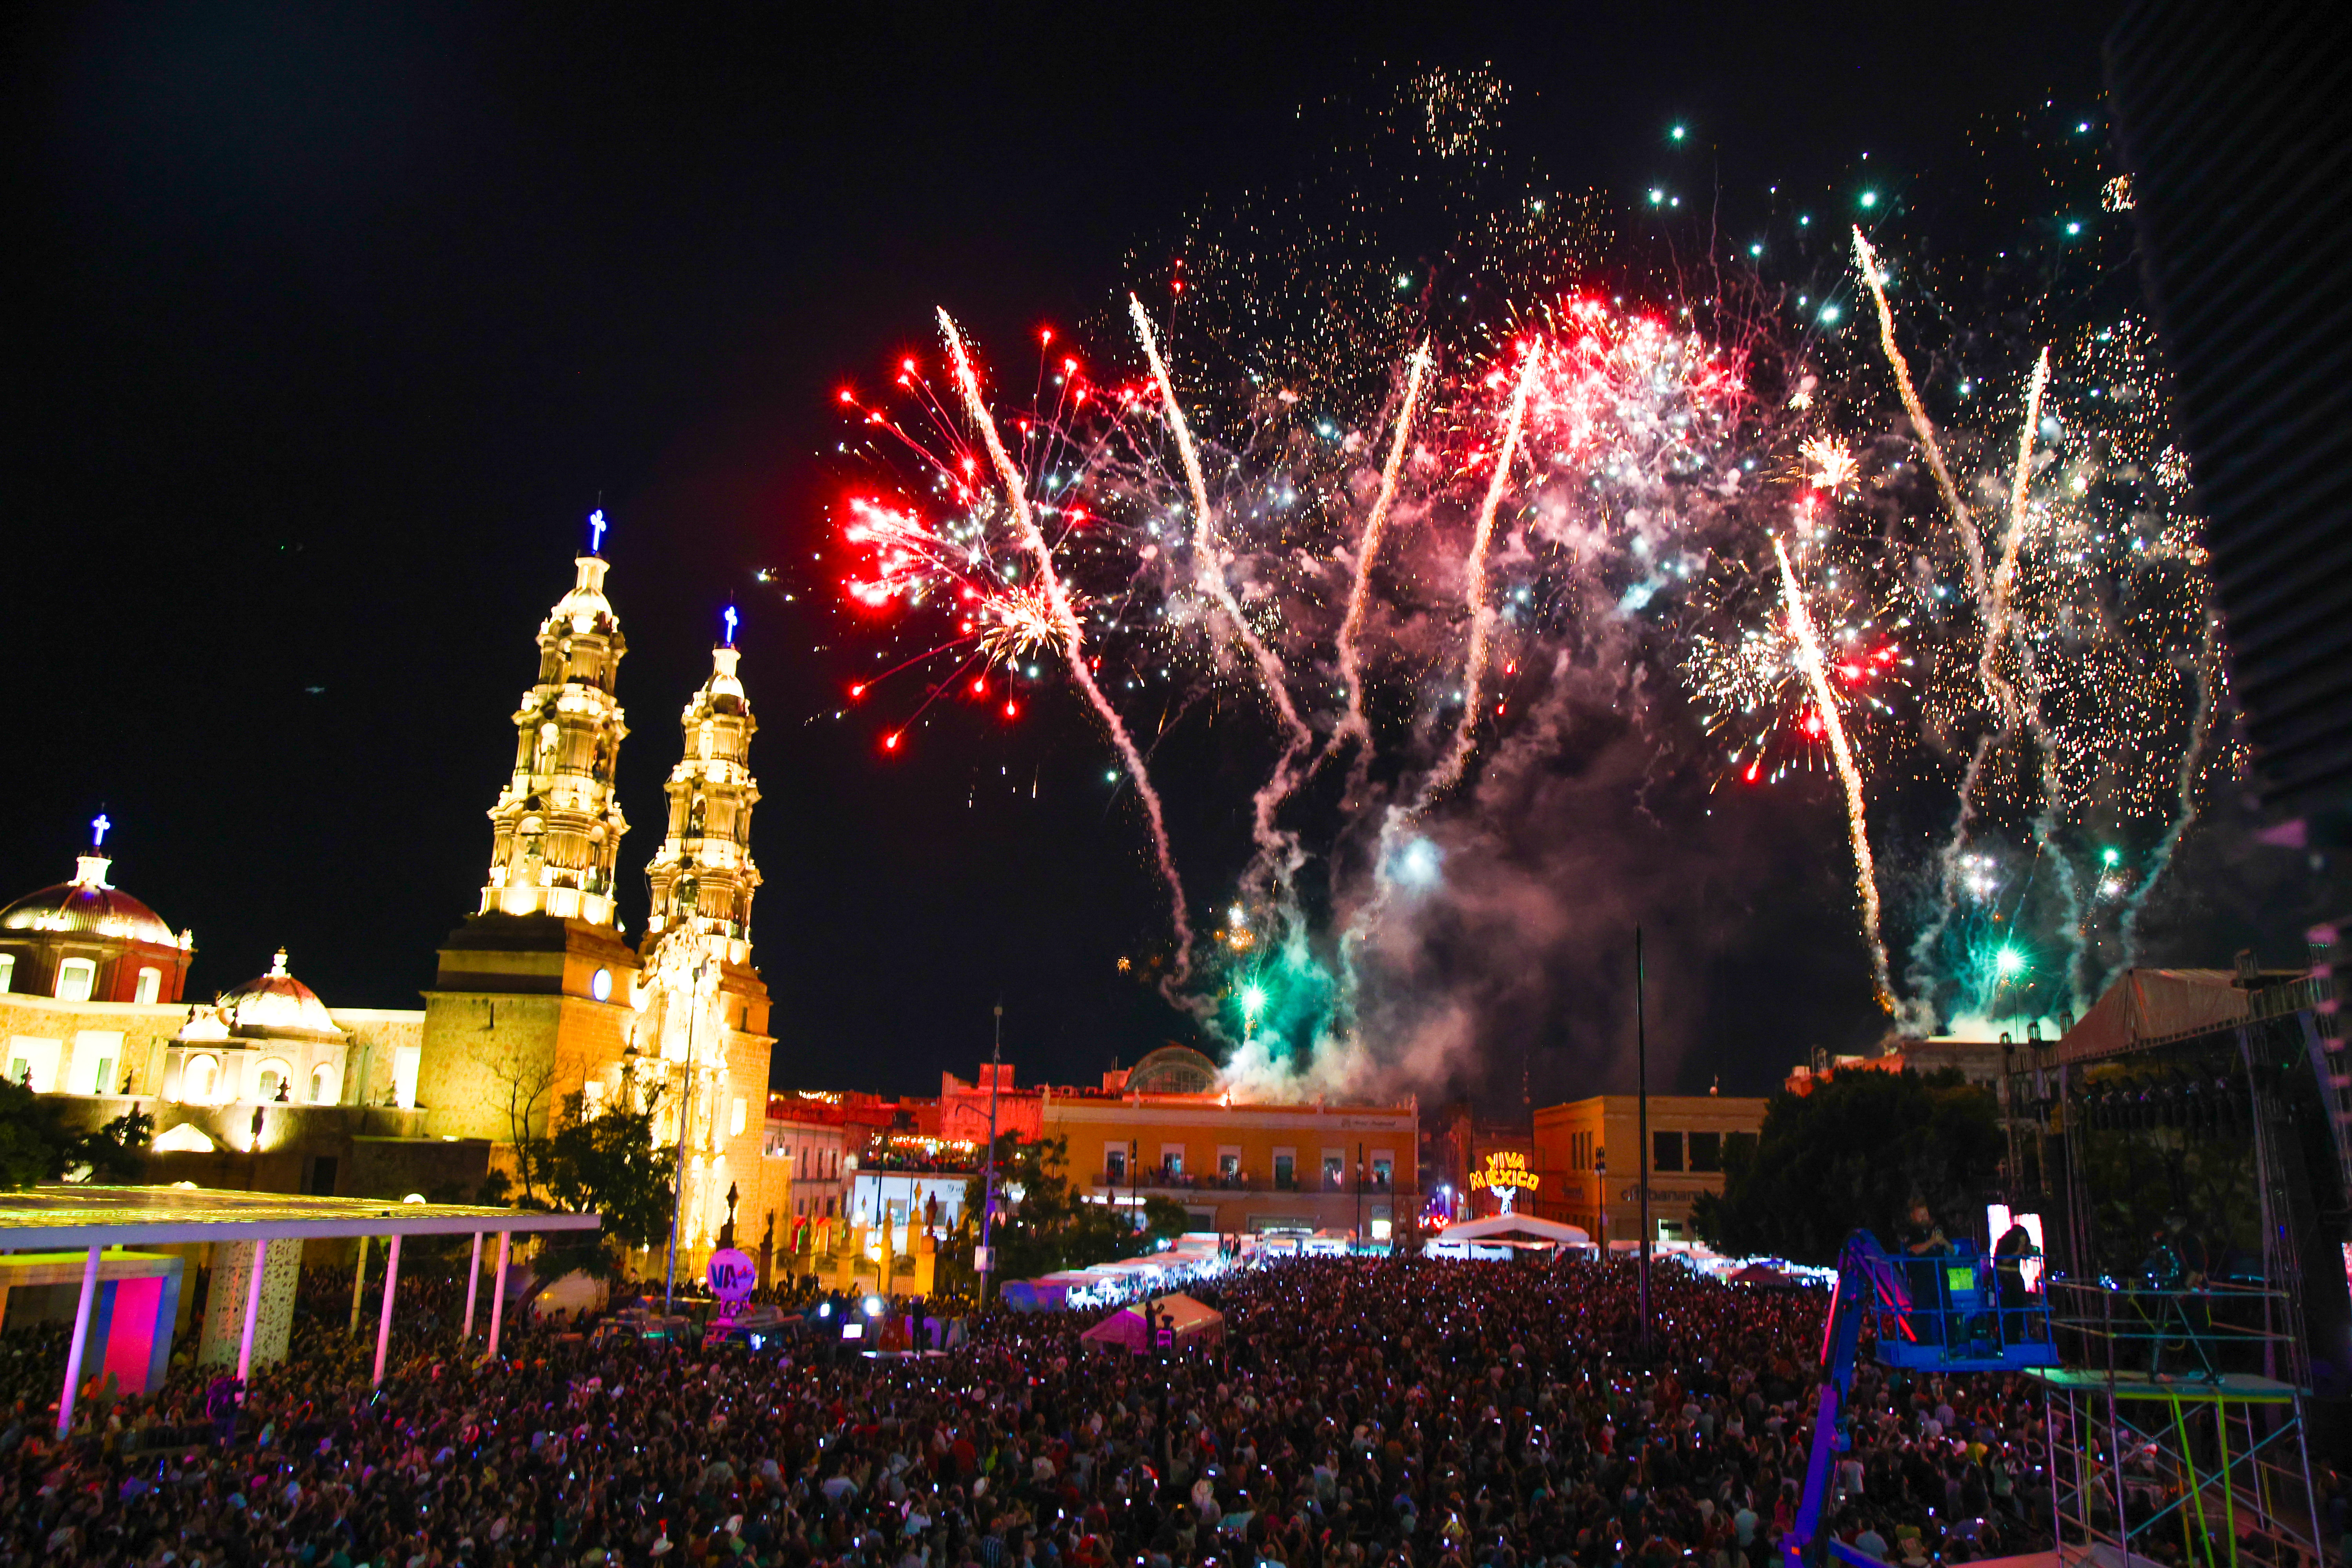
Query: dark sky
x,y
325,327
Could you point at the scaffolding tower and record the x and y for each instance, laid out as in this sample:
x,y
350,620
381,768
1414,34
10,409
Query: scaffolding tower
x,y
2161,1433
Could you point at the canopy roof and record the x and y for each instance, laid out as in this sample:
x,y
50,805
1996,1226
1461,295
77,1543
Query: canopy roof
x,y
1126,1329
59,1216
1515,1228
2145,1006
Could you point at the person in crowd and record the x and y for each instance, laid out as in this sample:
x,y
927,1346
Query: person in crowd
x,y
1357,1413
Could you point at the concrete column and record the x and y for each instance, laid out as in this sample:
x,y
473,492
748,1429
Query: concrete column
x,y
252,1313
499,1291
82,1332
473,1278
384,1319
359,1282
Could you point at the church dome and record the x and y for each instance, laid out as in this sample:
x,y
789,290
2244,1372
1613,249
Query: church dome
x,y
276,1006
88,907
1172,1069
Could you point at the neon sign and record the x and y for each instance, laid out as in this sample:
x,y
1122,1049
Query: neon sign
x,y
1507,1171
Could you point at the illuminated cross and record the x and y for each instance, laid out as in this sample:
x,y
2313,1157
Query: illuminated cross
x,y
596,530
729,618
98,827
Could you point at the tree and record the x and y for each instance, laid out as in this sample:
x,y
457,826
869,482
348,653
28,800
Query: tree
x,y
1042,1224
521,1078
1855,1153
35,1147
115,1153
604,1163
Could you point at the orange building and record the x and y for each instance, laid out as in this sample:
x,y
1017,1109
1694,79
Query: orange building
x,y
1589,1160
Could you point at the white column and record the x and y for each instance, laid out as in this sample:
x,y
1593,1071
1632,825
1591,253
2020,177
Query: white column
x,y
82,1332
473,1278
383,1319
359,1283
499,1291
252,1311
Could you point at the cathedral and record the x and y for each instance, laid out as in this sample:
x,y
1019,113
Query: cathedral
x,y
538,996
540,1008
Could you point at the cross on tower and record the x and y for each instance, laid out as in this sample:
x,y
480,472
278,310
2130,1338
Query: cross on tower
x,y
98,827
597,526
729,618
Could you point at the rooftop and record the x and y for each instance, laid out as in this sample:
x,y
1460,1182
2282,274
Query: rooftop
x,y
53,1217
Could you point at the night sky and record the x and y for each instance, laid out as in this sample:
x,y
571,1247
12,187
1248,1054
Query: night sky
x,y
327,326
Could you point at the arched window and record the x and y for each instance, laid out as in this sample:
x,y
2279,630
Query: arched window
x,y
151,984
323,1086
199,1078
272,1075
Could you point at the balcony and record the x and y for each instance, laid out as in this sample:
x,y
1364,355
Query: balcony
x,y
1173,1183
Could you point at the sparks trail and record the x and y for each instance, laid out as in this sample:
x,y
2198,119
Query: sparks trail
x,y
1481,614
2200,729
1359,589
1865,870
1962,521
1277,854
2005,694
1073,641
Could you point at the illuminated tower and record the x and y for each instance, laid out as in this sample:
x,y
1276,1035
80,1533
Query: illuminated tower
x,y
704,1009
558,826
533,997
702,878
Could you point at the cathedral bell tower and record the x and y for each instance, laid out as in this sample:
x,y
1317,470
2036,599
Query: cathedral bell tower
x,y
532,997
704,1009
557,825
702,878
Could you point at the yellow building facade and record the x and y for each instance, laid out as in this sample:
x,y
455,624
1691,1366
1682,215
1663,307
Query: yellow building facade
x,y
1588,1160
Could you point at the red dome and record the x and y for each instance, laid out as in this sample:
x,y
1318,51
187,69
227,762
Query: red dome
x,y
87,909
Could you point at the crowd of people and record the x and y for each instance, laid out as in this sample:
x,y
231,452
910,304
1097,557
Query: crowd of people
x,y
1357,1413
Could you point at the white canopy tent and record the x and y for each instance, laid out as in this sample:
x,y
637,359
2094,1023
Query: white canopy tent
x,y
1500,1235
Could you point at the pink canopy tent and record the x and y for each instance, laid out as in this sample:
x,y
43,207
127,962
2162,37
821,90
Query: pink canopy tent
x,y
1126,1329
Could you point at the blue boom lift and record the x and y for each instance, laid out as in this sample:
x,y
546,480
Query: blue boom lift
x,y
1930,1313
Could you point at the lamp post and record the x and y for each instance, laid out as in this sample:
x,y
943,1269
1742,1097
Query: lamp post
x,y
677,1174
987,1259
1642,1061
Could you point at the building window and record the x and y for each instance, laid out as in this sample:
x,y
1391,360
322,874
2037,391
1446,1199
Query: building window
x,y
199,1078
1115,1164
150,985
1286,1169
77,977
1334,1166
1171,1160
1706,1151
1229,1165
738,1117
322,1177
1384,1168
1665,1150
7,972
274,1075
323,1092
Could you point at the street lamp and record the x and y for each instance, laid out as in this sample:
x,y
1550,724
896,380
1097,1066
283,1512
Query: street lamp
x,y
984,1261
685,1114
